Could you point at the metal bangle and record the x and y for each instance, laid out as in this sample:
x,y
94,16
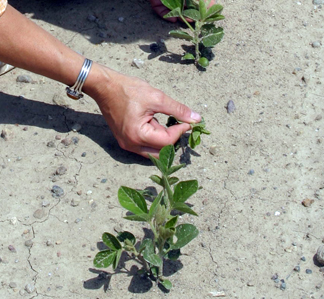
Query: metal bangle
x,y
75,91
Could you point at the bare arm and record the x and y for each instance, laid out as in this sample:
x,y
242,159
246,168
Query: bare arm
x,y
127,103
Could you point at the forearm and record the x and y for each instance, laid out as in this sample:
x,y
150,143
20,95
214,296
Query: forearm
x,y
26,45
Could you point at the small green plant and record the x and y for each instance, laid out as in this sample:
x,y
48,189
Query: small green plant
x,y
162,218
196,130
204,34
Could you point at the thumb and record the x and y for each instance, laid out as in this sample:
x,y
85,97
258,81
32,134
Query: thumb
x,y
180,111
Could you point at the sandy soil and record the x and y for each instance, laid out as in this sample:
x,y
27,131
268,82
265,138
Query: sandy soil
x,y
267,156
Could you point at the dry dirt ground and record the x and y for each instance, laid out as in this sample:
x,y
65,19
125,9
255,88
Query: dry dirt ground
x,y
256,167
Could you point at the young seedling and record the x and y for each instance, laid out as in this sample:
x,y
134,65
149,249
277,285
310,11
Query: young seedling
x,y
204,34
169,236
196,130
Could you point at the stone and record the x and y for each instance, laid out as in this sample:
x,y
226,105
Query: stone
x,y
61,170
6,134
30,288
51,144
39,214
29,243
24,79
320,254
316,44
66,141
83,154
75,202
139,63
76,127
12,285
57,191
318,2
230,106
12,248
307,202
60,101
75,140
91,18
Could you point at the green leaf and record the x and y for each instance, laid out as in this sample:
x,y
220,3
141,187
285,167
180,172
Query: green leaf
x,y
166,283
192,4
172,4
202,9
172,222
214,10
188,56
156,179
192,14
173,180
146,243
204,131
181,34
215,18
148,253
175,168
166,233
117,258
174,254
132,200
173,13
157,163
184,234
111,241
212,39
182,207
155,271
185,189
122,236
166,156
138,217
104,259
195,134
191,142
155,204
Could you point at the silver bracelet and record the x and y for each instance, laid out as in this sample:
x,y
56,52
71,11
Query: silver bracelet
x,y
75,91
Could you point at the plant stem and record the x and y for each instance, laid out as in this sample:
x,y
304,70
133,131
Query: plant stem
x,y
187,23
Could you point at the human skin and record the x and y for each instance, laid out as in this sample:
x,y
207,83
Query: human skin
x,y
128,104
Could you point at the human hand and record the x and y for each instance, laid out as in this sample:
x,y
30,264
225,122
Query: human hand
x,y
161,10
129,105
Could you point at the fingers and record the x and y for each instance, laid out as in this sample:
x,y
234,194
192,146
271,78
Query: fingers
x,y
161,10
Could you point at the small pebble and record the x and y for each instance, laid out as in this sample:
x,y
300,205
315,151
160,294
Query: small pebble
x,y
24,79
91,18
230,106
29,243
297,269
51,144
283,286
274,277
58,137
77,220
59,101
309,271
45,203
75,202
30,288
12,248
103,181
57,191
76,127
12,285
316,44
13,220
66,141
75,140
83,154
58,154
39,214
49,243
139,63
303,258
320,254
61,170
251,172
318,2
121,19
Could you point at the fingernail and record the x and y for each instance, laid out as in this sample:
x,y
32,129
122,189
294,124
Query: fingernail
x,y
195,116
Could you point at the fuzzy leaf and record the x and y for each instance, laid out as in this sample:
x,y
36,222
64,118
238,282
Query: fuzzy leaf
x,y
156,179
181,34
155,204
166,283
175,168
184,233
132,200
202,9
213,10
215,18
192,4
173,180
158,164
111,241
195,134
146,243
209,29
172,4
173,13
155,271
182,207
172,222
148,253
104,259
117,258
183,190
138,217
166,233
122,236
212,39
192,14
166,156
188,56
